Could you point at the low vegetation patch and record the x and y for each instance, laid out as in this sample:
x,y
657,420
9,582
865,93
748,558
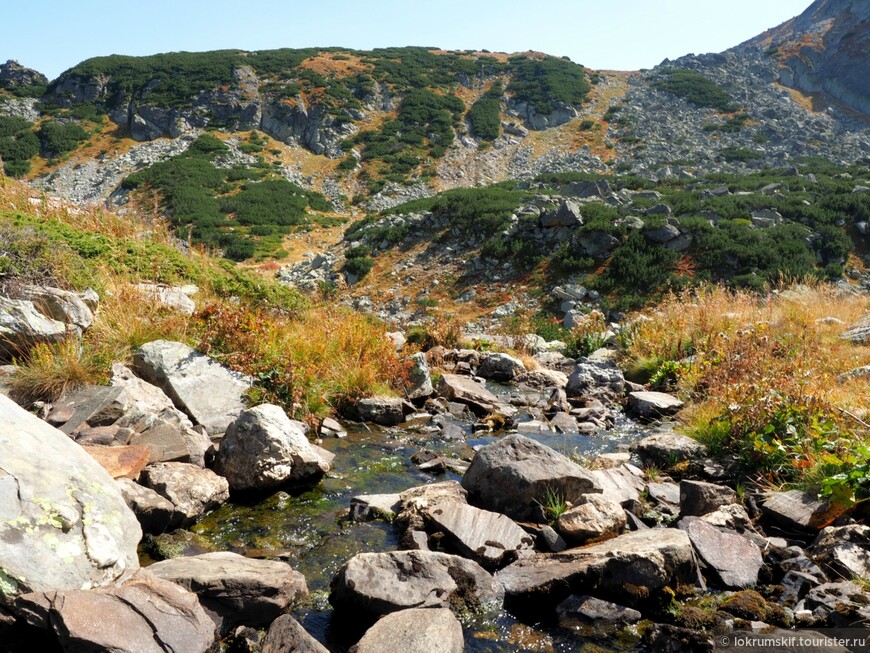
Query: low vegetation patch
x,y
694,87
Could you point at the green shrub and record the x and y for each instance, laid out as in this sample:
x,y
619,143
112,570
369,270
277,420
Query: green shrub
x,y
358,266
58,138
545,82
694,87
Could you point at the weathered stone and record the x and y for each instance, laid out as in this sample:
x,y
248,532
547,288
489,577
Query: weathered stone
x,y
120,462
63,522
171,297
366,507
153,511
263,450
489,538
732,559
418,630
193,491
419,378
665,493
331,428
205,390
286,635
91,404
595,379
471,393
62,305
652,405
801,510
578,612
567,215
144,615
500,367
629,568
592,519
620,484
386,411
234,589
22,326
839,605
416,501
379,583
513,475
844,551
666,447
698,498
564,423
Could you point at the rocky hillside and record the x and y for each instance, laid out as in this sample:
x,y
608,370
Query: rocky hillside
x,y
824,50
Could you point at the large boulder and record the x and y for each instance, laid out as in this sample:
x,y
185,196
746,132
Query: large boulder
x,y
192,490
418,630
374,584
22,326
286,634
386,411
628,569
209,393
500,367
489,538
63,522
419,379
664,447
234,589
514,475
600,379
264,450
730,559
464,390
844,551
593,519
144,615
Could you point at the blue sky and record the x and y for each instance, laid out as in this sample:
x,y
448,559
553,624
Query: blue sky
x,y
54,35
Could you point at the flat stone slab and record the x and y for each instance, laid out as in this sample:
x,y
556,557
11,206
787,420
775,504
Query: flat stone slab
x,y
418,630
731,559
465,390
366,507
650,405
665,447
801,510
81,405
120,462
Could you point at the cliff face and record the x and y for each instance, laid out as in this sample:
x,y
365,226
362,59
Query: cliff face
x,y
825,50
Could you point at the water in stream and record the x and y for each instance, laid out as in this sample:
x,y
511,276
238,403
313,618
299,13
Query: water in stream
x,y
311,532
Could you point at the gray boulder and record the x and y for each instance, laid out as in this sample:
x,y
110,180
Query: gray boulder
x,y
177,299
844,551
418,630
840,605
154,512
192,490
699,498
286,634
263,450
22,326
567,215
464,390
594,518
63,523
234,589
514,474
386,411
731,560
375,584
597,379
652,405
666,447
62,305
419,378
621,484
205,390
144,615
802,511
500,367
489,538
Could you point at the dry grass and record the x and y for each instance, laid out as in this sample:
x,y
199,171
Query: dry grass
x,y
48,370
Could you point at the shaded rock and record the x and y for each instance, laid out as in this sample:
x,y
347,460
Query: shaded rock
x,y
63,522
594,518
144,615
419,378
630,568
666,447
386,411
264,450
205,390
699,498
22,326
192,490
153,511
800,510
550,540
379,583
840,604
366,507
513,474
88,405
466,391
500,367
567,215
286,634
120,462
489,538
652,405
234,589
732,559
418,630
844,551
578,612
674,639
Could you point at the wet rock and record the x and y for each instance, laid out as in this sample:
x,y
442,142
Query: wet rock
x,y
366,507
489,538
330,428
466,391
286,634
264,450
513,475
500,367
579,612
205,390
144,615
652,405
418,630
419,378
628,569
800,511
154,512
843,551
698,498
732,560
379,583
192,490
594,518
666,447
386,411
63,522
234,589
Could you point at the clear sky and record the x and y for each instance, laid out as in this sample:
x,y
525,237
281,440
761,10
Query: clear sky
x,y
53,35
